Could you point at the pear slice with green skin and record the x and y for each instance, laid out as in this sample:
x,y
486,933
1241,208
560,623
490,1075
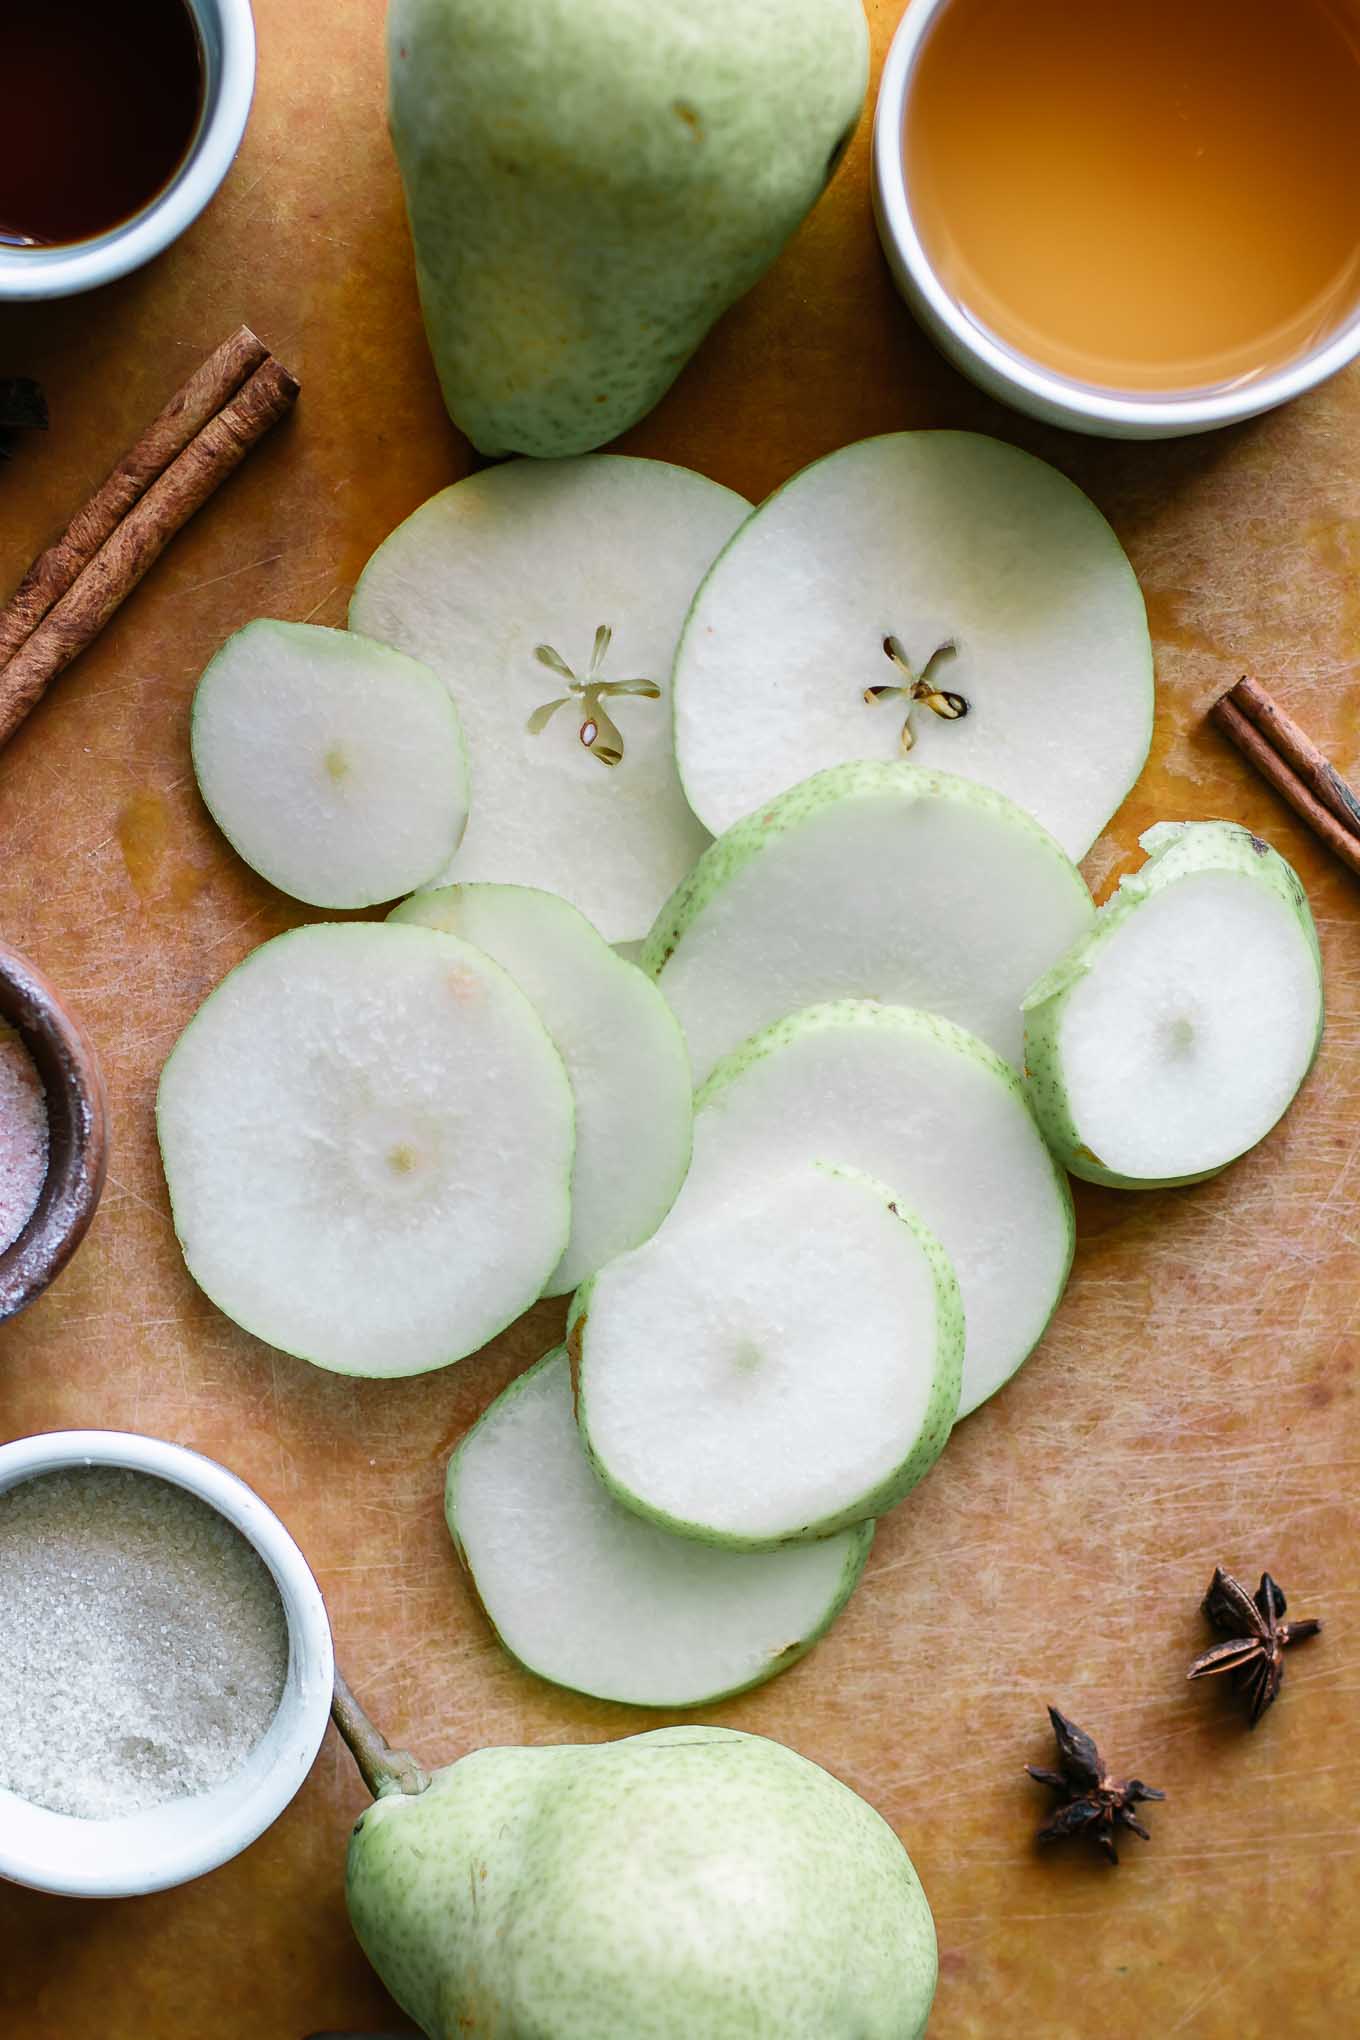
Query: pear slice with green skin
x,y
334,766
548,597
691,1883
585,1594
772,1368
989,580
367,1138
1174,1036
623,1050
915,1101
882,881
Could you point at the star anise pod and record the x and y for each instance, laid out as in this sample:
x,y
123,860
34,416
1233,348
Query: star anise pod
x,y
1094,1802
1258,1639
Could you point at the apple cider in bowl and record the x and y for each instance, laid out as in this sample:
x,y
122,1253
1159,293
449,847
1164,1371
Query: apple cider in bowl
x,y
1141,195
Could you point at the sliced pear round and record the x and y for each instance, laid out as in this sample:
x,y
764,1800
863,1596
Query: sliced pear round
x,y
934,589
367,1137
880,881
623,1049
586,1594
774,1367
1174,1036
549,595
915,1101
333,765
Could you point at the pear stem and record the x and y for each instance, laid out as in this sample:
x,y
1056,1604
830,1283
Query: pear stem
x,y
383,1769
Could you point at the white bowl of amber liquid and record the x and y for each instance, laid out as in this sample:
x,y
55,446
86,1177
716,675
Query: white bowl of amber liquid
x,y
1136,219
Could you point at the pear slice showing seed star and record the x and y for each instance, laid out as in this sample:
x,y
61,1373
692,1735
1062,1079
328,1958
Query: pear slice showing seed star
x,y
588,1595
913,565
367,1138
772,1368
548,596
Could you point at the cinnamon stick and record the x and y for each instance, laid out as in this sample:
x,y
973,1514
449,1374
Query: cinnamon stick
x,y
1256,747
1297,748
71,591
211,386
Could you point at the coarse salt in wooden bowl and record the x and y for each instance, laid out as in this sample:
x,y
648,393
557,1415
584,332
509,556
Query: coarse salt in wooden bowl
x,y
77,1132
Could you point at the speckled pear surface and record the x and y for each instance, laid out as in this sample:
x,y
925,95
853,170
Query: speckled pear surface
x,y
592,182
689,1884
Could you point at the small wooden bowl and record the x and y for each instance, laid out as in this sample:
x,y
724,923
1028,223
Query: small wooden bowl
x,y
77,1132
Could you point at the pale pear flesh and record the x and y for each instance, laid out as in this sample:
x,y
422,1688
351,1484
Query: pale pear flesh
x,y
874,880
368,1137
623,1051
585,1593
333,765
914,1100
1172,1038
726,1392
515,585
945,562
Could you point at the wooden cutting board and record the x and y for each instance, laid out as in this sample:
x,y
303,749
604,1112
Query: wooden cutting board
x,y
1196,1399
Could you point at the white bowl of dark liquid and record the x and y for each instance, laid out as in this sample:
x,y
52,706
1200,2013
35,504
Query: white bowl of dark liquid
x,y
120,123
166,1661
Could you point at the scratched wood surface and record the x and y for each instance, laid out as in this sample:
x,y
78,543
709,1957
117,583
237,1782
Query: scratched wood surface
x,y
1195,1400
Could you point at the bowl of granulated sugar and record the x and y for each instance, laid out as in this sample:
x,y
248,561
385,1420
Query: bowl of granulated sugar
x,y
165,1658
53,1133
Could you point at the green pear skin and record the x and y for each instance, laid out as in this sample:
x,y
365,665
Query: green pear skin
x,y
688,1884
591,183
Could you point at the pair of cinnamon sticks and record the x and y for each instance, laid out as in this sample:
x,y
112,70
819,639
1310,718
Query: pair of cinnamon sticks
x,y
71,590
1289,760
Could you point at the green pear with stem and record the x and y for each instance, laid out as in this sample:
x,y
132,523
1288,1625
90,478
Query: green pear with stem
x,y
687,1882
592,182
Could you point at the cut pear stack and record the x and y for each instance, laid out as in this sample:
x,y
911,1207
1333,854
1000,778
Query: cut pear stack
x,y
780,1362
383,1143
927,1108
587,1594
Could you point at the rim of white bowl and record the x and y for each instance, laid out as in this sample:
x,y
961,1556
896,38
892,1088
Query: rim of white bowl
x,y
1032,384
226,33
167,1845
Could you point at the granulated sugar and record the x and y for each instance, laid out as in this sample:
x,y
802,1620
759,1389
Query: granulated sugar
x,y
23,1135
143,1645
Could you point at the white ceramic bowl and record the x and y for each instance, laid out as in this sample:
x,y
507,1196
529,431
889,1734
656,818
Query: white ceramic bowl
x,y
1014,377
226,32
170,1844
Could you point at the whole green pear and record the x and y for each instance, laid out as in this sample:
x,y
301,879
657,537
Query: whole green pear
x,y
592,182
688,1884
